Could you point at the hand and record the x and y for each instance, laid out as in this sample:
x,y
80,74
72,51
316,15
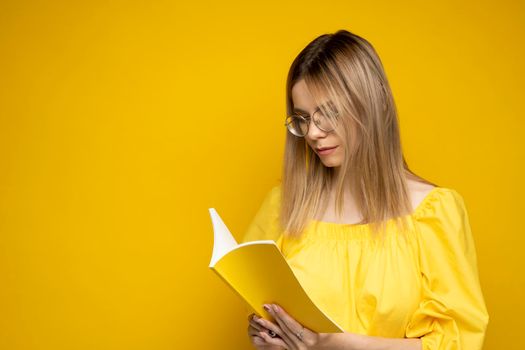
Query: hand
x,y
256,331
290,334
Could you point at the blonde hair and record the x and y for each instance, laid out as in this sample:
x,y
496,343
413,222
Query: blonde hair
x,y
344,69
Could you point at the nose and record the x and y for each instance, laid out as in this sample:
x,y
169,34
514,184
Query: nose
x,y
314,132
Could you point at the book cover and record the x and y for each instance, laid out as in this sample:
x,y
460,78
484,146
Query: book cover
x,y
259,273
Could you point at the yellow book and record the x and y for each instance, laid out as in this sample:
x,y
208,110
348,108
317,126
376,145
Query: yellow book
x,y
259,273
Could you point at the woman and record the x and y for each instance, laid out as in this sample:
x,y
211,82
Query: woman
x,y
389,256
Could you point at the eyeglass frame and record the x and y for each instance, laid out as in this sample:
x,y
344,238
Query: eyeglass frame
x,y
310,117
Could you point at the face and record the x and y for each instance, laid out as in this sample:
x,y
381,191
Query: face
x,y
317,138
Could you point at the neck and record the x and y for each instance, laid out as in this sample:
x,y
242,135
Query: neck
x,y
337,170
336,173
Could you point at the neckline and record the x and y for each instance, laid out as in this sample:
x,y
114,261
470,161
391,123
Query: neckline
x,y
418,208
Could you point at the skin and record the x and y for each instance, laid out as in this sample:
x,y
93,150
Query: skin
x,y
285,326
316,137
285,329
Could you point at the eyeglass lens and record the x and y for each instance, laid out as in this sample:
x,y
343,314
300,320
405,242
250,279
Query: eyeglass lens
x,y
298,124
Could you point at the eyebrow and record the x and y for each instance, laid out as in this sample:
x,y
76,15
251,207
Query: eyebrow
x,y
305,112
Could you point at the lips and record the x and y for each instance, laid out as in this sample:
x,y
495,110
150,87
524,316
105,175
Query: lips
x,y
325,148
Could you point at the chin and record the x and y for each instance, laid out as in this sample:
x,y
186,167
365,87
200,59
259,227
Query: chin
x,y
331,163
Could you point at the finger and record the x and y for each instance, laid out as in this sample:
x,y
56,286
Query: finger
x,y
253,330
252,317
289,333
254,335
274,341
256,325
256,340
254,322
268,325
259,342
288,320
273,327
289,324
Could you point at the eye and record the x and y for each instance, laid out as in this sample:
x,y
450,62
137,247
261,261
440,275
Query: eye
x,y
304,116
331,110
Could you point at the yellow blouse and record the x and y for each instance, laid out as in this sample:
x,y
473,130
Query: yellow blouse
x,y
423,284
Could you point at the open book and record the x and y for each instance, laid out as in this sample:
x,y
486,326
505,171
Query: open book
x,y
259,273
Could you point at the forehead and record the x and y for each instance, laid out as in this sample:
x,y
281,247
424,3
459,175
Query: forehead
x,y
302,98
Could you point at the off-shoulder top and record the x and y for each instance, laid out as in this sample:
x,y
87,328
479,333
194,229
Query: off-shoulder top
x,y
423,283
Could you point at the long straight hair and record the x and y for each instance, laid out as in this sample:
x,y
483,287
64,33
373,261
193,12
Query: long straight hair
x,y
345,69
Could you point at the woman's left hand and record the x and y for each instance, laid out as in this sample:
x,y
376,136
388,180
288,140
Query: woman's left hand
x,y
292,335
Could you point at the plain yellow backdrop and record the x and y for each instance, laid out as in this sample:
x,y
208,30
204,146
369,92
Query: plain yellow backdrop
x,y
121,123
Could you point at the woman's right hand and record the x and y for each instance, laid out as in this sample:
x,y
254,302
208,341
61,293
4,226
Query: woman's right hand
x,y
254,330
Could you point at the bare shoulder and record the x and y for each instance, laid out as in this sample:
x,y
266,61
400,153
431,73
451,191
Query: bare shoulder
x,y
418,191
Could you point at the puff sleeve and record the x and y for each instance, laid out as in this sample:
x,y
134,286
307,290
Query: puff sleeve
x,y
452,314
265,224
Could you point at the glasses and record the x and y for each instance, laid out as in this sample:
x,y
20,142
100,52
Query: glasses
x,y
299,124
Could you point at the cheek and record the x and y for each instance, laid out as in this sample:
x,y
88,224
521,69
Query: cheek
x,y
309,142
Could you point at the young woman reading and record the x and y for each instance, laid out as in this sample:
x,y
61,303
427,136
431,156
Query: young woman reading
x,y
386,254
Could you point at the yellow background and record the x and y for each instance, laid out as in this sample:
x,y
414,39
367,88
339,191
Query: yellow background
x,y
121,123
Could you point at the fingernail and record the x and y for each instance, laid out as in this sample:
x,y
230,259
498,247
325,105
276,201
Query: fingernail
x,y
275,308
266,307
